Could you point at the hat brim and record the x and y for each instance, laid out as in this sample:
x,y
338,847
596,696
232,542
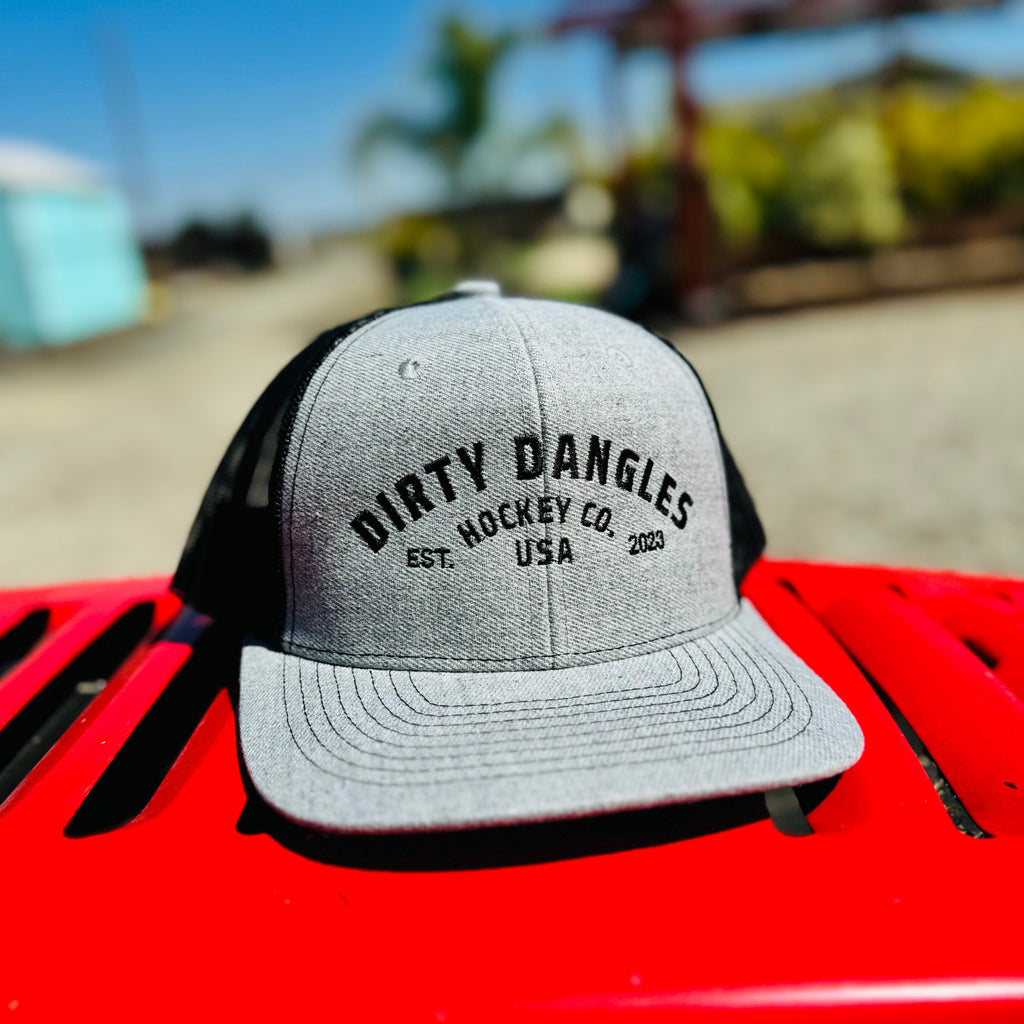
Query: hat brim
x,y
378,750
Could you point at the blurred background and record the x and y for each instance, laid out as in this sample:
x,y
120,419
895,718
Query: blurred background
x,y
820,202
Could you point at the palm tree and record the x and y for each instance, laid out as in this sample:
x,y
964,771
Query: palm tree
x,y
463,67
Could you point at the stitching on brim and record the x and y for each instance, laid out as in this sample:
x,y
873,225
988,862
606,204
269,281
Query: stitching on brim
x,y
703,631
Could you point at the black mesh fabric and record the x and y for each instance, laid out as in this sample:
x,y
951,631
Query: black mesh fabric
x,y
231,568
745,529
748,539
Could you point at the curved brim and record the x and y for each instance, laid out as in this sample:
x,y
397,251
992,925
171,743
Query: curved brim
x,y
369,750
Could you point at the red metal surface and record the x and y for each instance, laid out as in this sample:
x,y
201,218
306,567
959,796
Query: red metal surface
x,y
887,912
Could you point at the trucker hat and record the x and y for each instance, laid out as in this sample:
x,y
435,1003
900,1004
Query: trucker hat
x,y
485,553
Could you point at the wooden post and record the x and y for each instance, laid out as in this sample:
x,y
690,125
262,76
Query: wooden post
x,y
693,228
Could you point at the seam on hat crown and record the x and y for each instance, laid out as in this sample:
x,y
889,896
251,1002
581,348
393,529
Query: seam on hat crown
x,y
514,317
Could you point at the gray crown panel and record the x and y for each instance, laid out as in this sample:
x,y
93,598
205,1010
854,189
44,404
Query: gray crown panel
x,y
611,574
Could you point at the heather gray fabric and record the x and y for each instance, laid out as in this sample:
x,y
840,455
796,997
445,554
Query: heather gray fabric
x,y
486,371
379,750
507,565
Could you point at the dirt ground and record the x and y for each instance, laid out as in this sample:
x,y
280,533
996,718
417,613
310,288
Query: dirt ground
x,y
887,432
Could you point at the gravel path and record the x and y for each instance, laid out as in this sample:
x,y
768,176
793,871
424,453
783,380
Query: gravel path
x,y
888,432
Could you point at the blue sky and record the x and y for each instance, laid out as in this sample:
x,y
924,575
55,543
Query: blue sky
x,y
253,105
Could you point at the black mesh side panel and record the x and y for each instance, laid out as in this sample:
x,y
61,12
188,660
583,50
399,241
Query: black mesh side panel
x,y
748,539
223,568
231,568
746,532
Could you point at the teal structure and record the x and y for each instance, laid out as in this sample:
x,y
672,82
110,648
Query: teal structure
x,y
68,265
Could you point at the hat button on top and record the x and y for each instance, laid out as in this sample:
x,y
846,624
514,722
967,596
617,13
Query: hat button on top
x,y
477,288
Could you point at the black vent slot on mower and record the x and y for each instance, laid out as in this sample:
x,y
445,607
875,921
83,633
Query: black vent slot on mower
x,y
958,814
143,762
21,638
989,660
26,739
951,803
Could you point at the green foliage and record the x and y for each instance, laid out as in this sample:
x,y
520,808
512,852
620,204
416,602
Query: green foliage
x,y
462,69
843,189
958,153
748,169
464,139
864,170
240,242
482,164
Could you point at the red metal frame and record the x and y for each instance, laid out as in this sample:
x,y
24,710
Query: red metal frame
x,y
887,911
677,27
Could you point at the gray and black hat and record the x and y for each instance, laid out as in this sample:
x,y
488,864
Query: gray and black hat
x,y
486,554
